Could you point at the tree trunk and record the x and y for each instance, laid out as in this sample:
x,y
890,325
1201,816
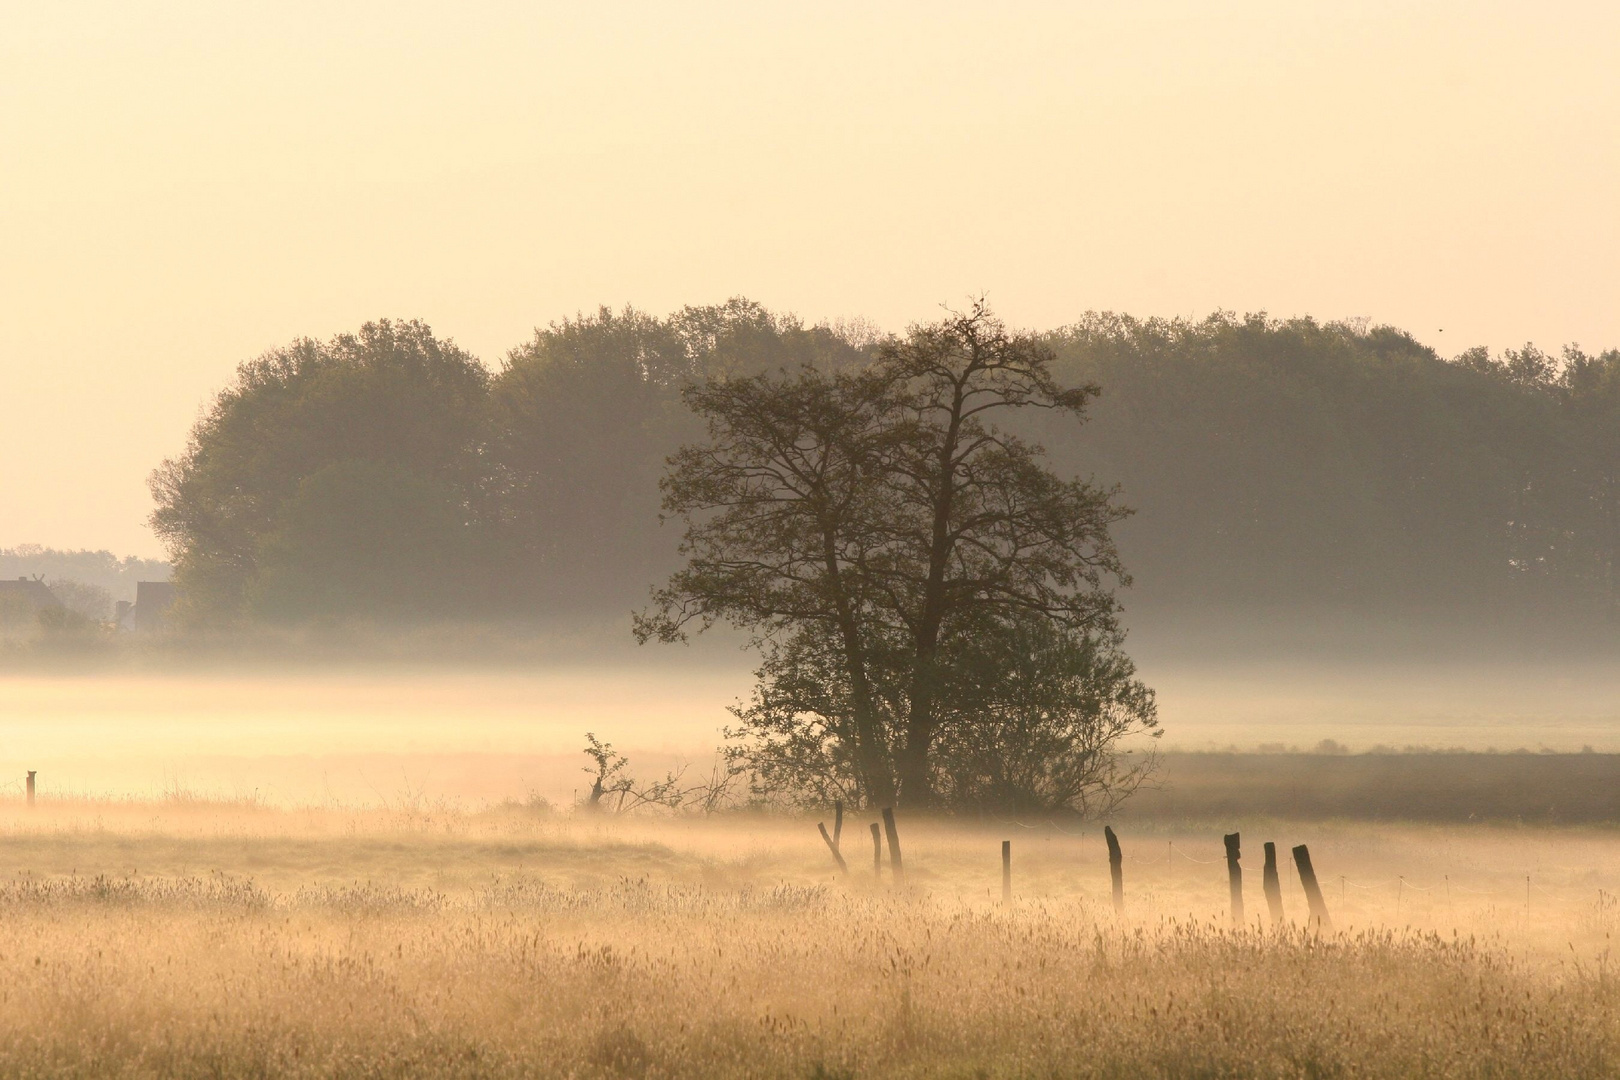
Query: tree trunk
x,y
916,785
877,774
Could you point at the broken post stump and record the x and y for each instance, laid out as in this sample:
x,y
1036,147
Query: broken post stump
x,y
1115,868
1313,891
894,844
832,846
877,851
1234,876
1006,871
1272,886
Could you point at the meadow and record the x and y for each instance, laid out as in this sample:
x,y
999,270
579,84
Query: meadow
x,y
184,936
343,872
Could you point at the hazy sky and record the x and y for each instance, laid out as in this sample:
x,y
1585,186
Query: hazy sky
x,y
183,186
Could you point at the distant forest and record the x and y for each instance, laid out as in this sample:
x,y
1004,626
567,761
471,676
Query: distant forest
x,y
98,569
1332,468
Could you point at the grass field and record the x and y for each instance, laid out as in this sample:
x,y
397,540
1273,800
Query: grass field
x,y
369,906
183,937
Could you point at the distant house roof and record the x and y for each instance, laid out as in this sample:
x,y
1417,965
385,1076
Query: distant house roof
x,y
31,591
153,599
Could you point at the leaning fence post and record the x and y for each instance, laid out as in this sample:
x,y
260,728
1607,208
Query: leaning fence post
x,y
1115,871
877,851
31,787
1234,875
1006,871
894,844
832,846
1272,886
1313,892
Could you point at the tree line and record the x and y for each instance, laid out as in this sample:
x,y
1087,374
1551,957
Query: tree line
x,y
93,579
917,531
388,473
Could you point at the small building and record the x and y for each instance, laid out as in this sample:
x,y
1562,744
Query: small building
x,y
153,599
30,593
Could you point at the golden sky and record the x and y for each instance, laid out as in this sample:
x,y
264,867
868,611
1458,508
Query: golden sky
x,y
184,185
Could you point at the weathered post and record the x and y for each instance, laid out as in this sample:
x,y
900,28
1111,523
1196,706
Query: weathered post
x,y
894,844
1272,886
31,787
1115,868
1234,876
1006,871
838,822
1313,891
832,846
877,851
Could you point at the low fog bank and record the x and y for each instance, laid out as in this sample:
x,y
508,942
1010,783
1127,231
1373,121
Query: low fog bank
x,y
386,551
1160,633
1164,631
379,733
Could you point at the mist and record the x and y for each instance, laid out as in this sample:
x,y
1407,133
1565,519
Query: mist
x,y
426,565
834,543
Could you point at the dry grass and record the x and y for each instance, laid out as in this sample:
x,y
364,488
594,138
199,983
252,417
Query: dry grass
x,y
181,938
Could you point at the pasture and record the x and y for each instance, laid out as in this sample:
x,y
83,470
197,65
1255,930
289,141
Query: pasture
x,y
344,873
187,937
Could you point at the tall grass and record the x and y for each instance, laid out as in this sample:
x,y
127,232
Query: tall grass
x,y
179,939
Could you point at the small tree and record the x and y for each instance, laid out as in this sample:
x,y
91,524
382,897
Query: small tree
x,y
613,788
881,533
89,600
1037,715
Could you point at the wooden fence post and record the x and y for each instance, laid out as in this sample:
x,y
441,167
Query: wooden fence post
x,y
1313,891
31,787
1006,871
1272,886
877,852
1234,876
832,846
838,822
894,844
1115,868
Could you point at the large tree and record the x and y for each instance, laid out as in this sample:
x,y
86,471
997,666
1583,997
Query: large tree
x,y
881,531
320,461
584,415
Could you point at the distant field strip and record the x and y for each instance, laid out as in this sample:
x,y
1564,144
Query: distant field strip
x,y
1414,786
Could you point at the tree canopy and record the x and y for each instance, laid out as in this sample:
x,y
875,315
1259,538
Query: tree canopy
x,y
1272,464
1343,468
325,459
901,558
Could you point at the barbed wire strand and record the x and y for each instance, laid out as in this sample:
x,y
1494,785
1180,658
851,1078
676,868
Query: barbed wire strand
x,y
1189,858
1048,823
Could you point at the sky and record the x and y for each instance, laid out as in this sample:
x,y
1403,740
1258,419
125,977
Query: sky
x,y
184,186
